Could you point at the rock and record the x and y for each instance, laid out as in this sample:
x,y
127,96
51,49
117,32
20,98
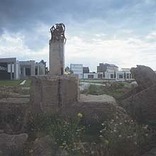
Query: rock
x,y
50,94
134,84
142,105
45,146
96,108
144,76
152,152
12,145
140,102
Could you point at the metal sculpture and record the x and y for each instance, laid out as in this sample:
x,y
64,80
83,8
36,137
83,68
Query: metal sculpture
x,y
58,32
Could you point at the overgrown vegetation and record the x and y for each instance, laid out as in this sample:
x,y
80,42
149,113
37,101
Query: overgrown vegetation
x,y
9,87
116,89
67,132
115,137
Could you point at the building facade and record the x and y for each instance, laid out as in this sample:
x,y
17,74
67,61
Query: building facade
x,y
85,70
77,69
12,69
93,75
105,67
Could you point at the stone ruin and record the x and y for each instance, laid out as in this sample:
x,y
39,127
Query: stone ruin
x,y
56,90
140,103
51,94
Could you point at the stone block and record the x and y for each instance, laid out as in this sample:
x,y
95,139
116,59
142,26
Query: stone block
x,y
144,76
51,94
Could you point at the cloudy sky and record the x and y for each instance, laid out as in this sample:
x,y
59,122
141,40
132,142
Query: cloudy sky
x,y
120,32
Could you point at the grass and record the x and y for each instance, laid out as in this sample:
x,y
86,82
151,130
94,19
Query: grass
x,y
13,83
10,82
116,89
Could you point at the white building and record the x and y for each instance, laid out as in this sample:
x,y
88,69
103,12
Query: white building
x,y
122,75
77,70
110,72
92,75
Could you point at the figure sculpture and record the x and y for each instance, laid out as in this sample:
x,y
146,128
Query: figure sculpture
x,y
57,32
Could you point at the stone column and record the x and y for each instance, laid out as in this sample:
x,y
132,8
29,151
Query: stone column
x,y
56,50
56,58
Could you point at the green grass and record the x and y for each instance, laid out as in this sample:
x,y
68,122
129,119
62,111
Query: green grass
x,y
10,82
15,83
115,89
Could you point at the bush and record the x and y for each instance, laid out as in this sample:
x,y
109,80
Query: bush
x,y
123,137
66,132
115,137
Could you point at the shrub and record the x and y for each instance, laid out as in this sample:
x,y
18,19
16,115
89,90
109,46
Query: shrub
x,y
115,137
123,137
66,132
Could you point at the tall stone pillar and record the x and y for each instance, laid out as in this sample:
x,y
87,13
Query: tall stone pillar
x,y
56,50
54,92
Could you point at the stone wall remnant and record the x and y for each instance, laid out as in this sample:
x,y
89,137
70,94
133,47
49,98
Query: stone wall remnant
x,y
140,103
51,94
144,76
12,144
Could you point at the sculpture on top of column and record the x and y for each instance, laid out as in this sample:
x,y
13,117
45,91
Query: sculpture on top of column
x,y
57,32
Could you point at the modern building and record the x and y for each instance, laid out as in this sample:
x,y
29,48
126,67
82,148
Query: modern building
x,y
85,70
122,75
12,69
8,68
77,69
103,67
93,75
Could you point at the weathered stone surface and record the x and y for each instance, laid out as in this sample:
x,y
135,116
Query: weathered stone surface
x,y
50,94
152,152
144,76
142,105
140,102
95,110
45,146
12,114
56,49
12,145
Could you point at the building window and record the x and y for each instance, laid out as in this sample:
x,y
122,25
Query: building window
x,y
99,76
120,76
27,71
112,76
90,76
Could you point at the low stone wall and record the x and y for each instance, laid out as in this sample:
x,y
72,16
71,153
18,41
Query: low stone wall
x,y
51,94
12,114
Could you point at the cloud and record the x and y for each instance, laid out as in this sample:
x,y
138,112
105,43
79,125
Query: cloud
x,y
12,45
120,32
124,53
